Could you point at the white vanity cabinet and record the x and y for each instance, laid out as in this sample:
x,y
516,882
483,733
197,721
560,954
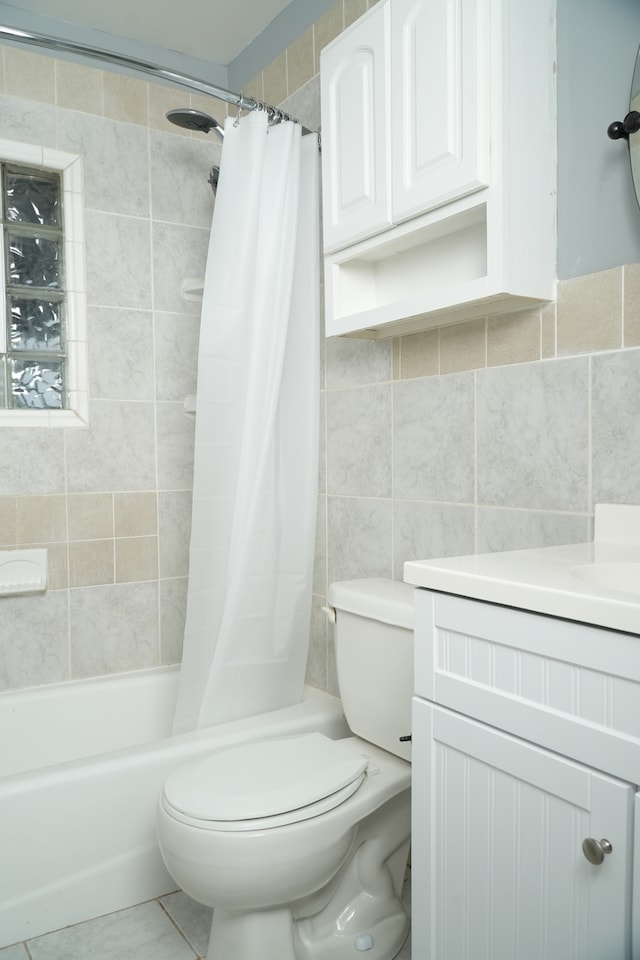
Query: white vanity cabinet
x,y
438,157
526,742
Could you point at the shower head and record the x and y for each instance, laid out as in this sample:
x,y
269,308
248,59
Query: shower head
x,y
194,120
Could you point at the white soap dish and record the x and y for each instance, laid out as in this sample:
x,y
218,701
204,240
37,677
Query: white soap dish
x,y
22,571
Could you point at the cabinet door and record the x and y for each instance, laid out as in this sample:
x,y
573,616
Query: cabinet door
x,y
498,868
439,94
354,98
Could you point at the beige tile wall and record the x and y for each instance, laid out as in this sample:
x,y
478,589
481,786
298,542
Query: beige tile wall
x,y
300,62
545,430
111,503
591,314
91,538
119,553
498,434
44,79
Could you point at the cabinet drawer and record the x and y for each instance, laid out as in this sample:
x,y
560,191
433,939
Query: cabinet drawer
x,y
570,687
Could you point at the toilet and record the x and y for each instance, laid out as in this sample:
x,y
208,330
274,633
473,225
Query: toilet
x,y
300,844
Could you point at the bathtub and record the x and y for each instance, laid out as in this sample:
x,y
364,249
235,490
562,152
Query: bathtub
x,y
81,766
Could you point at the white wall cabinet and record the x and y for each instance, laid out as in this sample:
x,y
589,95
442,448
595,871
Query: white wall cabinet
x,y
355,133
439,94
385,164
438,131
526,741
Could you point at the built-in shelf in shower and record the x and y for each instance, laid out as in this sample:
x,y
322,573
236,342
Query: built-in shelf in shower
x,y
22,571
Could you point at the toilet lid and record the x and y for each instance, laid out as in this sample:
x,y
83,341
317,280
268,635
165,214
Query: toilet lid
x,y
264,779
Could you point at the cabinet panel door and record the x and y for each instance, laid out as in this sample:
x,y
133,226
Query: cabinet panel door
x,y
498,867
354,101
439,93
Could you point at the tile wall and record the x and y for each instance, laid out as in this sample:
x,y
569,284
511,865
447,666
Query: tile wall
x,y
496,434
112,502
490,435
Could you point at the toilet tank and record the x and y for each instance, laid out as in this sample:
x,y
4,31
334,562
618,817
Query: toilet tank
x,y
374,659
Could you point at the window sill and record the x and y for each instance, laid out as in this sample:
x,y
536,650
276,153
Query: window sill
x,y
78,417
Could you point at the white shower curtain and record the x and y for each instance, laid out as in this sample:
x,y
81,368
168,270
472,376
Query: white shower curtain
x,y
256,447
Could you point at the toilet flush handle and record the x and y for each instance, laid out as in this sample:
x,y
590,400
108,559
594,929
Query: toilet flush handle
x,y
406,739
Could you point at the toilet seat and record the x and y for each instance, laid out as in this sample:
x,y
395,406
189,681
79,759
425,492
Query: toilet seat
x,y
265,784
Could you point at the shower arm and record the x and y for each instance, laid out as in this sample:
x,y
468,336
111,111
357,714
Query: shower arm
x,y
151,69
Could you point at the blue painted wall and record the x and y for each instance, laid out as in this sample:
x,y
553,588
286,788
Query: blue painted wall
x,y
598,214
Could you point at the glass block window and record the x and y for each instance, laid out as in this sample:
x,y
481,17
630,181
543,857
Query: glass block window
x,y
33,340
43,348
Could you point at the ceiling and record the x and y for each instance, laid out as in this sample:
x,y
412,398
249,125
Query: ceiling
x,y
211,30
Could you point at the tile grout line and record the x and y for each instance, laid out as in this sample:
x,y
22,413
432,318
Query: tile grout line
x,y
179,929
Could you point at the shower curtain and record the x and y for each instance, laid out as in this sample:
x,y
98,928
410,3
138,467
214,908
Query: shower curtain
x,y
256,443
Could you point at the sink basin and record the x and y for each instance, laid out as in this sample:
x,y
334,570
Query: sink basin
x,y
619,577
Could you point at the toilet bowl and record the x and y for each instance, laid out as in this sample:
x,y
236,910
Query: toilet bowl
x,y
300,844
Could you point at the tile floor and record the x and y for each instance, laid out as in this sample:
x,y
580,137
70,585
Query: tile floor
x,y
171,928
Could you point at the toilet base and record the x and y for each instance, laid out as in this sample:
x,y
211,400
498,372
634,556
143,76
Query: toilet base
x,y
269,935
379,940
363,913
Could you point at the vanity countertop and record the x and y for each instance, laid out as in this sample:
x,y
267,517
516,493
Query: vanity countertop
x,y
596,582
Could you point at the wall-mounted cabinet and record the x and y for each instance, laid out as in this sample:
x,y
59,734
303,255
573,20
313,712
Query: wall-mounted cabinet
x,y
438,124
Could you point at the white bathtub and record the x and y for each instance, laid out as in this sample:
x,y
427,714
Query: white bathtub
x,y
81,766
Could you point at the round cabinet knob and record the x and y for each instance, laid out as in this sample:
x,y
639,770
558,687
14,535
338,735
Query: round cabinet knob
x,y
596,850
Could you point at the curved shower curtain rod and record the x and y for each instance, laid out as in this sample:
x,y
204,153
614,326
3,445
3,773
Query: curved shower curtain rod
x,y
159,73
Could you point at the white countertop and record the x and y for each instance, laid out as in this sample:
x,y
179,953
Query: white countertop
x,y
553,580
